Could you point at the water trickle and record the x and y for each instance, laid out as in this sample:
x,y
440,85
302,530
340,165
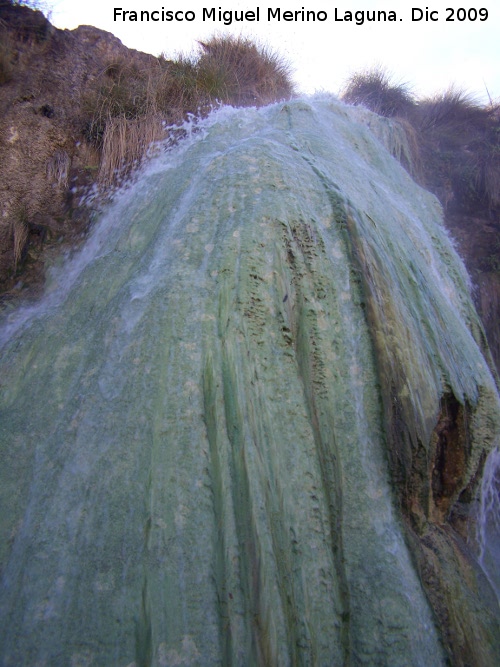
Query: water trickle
x,y
226,431
489,520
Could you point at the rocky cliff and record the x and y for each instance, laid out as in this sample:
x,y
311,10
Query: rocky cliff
x,y
45,158
78,107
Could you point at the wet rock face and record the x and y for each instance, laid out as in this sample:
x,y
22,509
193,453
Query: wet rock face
x,y
42,98
244,424
450,453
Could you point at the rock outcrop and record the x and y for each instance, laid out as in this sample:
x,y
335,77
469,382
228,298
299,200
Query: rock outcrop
x,y
45,160
248,423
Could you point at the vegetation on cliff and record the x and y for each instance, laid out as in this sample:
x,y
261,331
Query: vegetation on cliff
x,y
78,108
456,154
130,105
457,139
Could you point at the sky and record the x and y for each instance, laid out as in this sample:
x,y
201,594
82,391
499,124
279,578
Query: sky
x,y
429,55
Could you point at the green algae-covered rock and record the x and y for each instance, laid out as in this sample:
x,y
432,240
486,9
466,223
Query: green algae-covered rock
x,y
240,428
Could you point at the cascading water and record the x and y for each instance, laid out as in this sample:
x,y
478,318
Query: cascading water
x,y
247,424
489,520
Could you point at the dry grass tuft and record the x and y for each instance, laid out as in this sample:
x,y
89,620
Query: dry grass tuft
x,y
461,139
131,103
242,72
125,144
455,141
123,118
19,227
375,90
453,117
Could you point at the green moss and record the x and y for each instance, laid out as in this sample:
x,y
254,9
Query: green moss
x,y
200,440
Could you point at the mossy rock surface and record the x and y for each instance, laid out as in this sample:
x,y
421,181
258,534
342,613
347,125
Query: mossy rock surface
x,y
219,429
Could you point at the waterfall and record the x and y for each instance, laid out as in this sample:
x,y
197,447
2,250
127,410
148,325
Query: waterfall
x,y
489,520
247,423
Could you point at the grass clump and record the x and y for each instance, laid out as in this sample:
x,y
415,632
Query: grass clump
x,y
454,139
19,232
242,73
29,18
132,102
460,140
375,90
454,118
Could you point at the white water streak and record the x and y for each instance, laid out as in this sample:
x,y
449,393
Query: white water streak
x,y
488,525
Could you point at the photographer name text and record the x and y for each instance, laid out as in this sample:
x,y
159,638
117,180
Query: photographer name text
x,y
277,14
